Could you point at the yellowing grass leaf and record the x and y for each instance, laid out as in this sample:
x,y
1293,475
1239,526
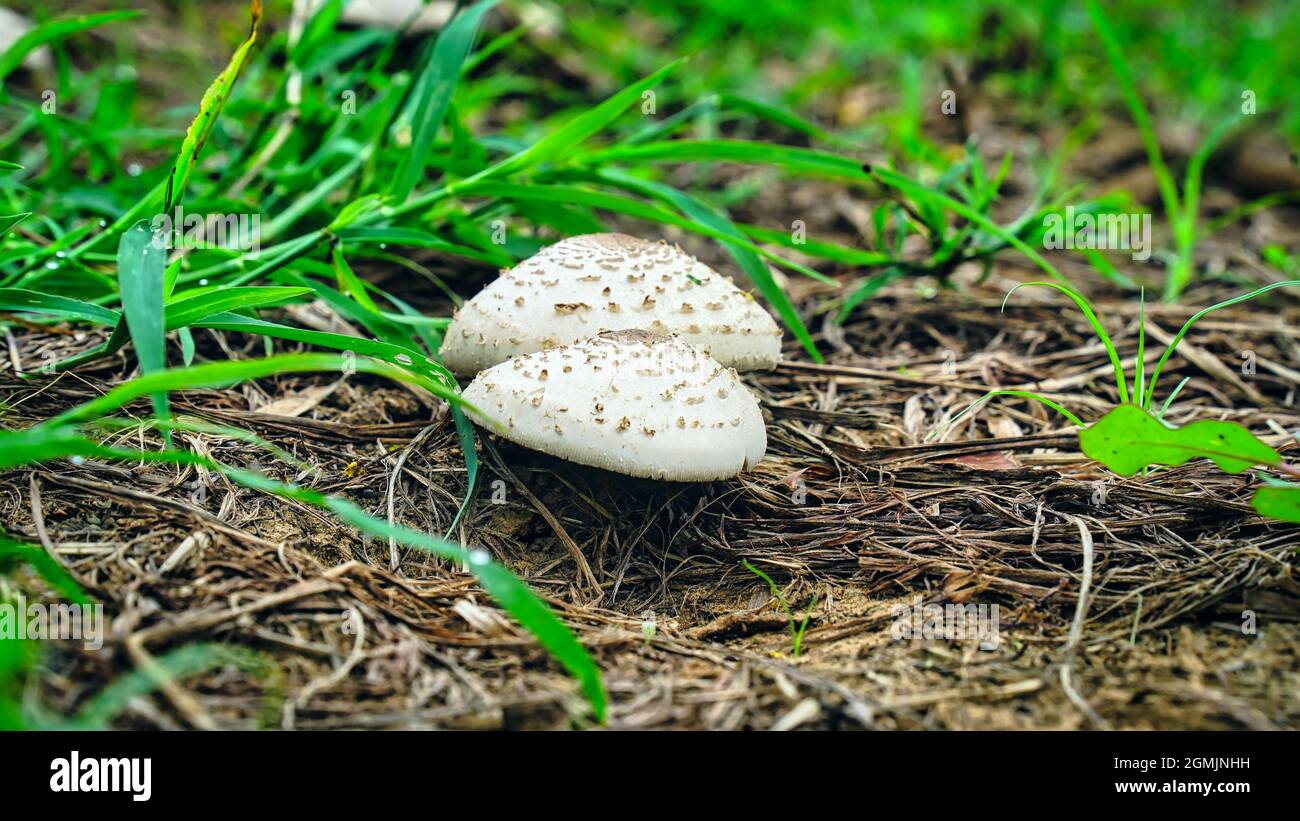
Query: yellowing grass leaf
x,y
214,99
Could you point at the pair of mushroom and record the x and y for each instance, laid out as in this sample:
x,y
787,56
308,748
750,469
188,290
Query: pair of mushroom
x,y
616,352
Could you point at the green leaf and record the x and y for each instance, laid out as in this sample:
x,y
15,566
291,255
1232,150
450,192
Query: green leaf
x,y
867,288
434,90
465,433
1128,439
1278,500
416,238
20,299
922,194
56,438
54,30
792,159
9,221
214,99
140,263
350,283
191,309
568,137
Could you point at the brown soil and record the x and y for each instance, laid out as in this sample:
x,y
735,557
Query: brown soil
x,y
852,508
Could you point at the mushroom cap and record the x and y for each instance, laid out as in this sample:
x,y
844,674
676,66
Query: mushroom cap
x,y
585,285
627,401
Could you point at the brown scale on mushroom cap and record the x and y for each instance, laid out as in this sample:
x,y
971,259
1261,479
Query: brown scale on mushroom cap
x,y
583,284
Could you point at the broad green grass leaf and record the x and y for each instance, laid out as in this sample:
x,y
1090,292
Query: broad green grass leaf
x,y
792,159
434,90
140,263
1278,501
191,309
21,299
1128,439
54,30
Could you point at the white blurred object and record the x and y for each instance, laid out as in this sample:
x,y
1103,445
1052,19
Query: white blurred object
x,y
392,14
12,26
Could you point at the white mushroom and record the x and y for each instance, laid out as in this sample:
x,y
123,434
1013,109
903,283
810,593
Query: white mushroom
x,y
585,285
626,401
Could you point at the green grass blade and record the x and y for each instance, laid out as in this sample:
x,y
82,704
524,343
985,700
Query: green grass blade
x,y
47,32
867,289
214,99
569,137
1139,365
184,661
223,374
511,593
8,221
978,403
921,193
1164,179
465,433
1196,317
792,159
20,299
1097,328
140,263
189,310
434,90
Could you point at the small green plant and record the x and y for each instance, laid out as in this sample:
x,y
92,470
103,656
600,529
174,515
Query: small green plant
x,y
796,631
1129,438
